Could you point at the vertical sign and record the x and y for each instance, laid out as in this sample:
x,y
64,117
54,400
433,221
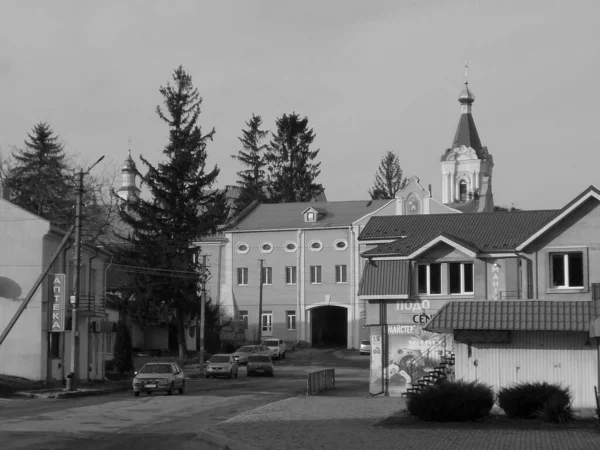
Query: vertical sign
x,y
58,300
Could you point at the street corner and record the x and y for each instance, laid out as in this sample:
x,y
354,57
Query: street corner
x,y
221,441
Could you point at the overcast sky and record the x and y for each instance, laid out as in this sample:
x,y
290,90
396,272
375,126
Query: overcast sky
x,y
371,76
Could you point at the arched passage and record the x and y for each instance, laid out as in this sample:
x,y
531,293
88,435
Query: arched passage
x,y
329,326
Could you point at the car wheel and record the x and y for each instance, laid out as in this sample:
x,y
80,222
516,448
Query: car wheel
x,y
230,374
170,391
283,355
137,394
236,374
182,388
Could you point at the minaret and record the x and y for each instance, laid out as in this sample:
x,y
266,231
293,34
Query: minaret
x,y
128,190
467,165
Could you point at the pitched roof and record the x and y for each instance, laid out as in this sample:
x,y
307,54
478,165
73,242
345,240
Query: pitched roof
x,y
488,232
466,134
383,279
273,216
504,315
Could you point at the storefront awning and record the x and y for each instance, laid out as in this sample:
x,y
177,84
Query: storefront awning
x,y
520,315
385,280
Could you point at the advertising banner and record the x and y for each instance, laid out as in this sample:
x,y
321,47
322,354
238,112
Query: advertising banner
x,y
405,343
58,302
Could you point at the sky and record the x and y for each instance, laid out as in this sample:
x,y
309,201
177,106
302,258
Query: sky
x,y
370,76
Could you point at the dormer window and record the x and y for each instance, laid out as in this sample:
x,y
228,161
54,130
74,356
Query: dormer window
x,y
313,214
310,216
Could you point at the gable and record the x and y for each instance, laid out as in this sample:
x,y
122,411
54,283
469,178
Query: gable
x,y
443,251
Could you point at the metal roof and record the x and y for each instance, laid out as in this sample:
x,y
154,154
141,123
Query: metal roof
x,y
488,232
520,315
273,216
385,278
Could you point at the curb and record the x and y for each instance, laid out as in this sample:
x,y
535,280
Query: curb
x,y
223,442
73,394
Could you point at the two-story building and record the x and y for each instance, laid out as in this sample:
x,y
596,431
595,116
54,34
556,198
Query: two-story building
x,y
510,292
38,346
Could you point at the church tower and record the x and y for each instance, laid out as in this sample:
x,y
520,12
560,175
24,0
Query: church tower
x,y
467,165
128,190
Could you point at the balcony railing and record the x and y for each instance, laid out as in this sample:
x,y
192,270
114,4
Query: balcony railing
x,y
508,295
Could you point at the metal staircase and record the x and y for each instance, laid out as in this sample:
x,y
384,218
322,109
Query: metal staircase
x,y
444,368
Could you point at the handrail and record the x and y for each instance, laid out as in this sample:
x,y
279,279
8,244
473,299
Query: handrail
x,y
506,295
413,362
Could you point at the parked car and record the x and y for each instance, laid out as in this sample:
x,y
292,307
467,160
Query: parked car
x,y
156,377
221,365
241,354
260,365
365,347
276,346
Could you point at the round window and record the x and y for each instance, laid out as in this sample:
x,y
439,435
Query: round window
x,y
266,247
289,246
242,247
341,244
315,246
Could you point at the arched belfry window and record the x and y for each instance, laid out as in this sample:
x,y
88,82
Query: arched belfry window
x,y
462,189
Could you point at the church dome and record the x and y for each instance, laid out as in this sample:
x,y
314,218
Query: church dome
x,y
128,165
466,96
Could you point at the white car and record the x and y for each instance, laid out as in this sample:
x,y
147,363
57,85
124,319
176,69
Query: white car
x,y
276,347
365,347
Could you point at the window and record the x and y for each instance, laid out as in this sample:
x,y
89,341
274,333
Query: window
x,y
244,317
290,275
341,274
567,270
460,278
429,278
462,189
267,323
310,217
315,274
315,246
289,246
242,248
267,275
242,276
290,320
340,244
266,247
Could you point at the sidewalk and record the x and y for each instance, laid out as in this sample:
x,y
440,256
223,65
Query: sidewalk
x,y
323,422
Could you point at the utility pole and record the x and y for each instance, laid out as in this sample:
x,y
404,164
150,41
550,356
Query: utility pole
x,y
72,377
202,315
260,295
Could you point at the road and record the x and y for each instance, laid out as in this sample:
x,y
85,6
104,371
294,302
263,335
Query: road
x,y
159,421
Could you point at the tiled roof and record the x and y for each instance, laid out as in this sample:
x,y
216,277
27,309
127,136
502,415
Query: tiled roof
x,y
488,232
466,134
272,216
385,278
520,315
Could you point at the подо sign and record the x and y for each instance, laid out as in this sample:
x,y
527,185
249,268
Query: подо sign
x,y
58,302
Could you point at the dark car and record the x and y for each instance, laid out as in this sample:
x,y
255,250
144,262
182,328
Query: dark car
x,y
260,365
242,354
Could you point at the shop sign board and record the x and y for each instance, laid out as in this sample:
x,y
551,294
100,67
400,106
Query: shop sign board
x,y
58,300
481,336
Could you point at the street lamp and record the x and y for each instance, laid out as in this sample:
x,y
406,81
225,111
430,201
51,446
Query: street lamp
x,y
75,297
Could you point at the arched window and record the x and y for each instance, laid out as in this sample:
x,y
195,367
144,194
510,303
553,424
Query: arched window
x,y
462,189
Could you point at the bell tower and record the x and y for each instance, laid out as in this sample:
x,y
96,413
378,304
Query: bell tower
x,y
467,165
128,190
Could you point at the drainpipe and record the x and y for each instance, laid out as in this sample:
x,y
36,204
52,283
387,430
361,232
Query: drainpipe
x,y
299,282
220,251
90,294
353,303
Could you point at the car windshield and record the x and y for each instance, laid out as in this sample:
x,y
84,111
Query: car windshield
x,y
246,349
219,359
271,343
156,368
259,358
366,343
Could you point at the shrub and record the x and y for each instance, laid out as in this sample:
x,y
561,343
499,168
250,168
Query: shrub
x,y
558,407
123,351
109,365
452,401
529,399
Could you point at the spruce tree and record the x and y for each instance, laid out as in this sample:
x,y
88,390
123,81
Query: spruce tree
x,y
123,350
252,177
40,181
181,210
291,166
388,178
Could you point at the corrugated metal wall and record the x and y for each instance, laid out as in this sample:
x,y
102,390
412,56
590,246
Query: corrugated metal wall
x,y
535,356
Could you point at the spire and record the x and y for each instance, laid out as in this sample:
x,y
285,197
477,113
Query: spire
x,y
466,132
466,97
128,188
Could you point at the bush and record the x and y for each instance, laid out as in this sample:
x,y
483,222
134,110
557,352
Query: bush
x,y
452,401
529,399
558,408
123,351
109,366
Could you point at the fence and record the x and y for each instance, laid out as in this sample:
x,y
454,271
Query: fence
x,y
319,381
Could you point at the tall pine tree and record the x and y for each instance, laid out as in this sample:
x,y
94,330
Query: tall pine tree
x,y
252,179
291,166
389,178
181,210
40,181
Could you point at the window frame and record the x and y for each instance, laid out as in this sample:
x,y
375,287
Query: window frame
x,y
291,275
427,267
263,244
267,276
316,272
341,274
315,241
244,315
242,270
267,330
286,249
242,252
290,320
551,289
462,279
338,241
